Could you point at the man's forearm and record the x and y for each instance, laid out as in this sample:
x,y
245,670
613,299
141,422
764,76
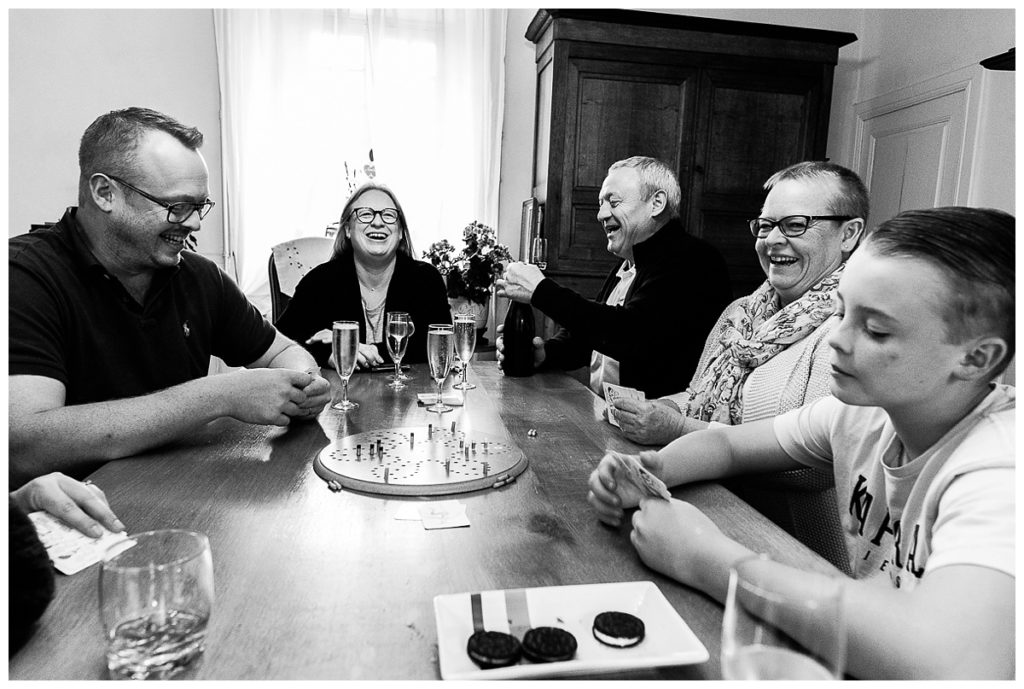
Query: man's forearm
x,y
296,358
67,437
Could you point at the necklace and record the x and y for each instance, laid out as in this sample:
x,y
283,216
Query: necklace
x,y
373,301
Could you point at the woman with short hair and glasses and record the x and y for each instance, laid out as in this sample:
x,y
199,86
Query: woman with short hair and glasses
x,y
768,352
372,272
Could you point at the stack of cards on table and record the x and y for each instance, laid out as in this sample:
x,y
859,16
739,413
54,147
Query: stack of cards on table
x,y
70,550
614,392
453,399
647,482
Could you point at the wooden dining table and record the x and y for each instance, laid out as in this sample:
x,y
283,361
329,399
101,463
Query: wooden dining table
x,y
313,584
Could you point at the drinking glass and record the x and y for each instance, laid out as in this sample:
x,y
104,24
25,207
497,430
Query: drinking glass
x,y
465,345
155,602
345,343
399,329
539,252
440,352
772,633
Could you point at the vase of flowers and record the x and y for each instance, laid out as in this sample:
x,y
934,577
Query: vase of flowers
x,y
470,273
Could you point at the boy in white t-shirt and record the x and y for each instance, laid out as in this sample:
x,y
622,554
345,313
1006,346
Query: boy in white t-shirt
x,y
921,443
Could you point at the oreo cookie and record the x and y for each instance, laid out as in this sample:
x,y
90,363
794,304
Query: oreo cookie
x,y
618,629
549,645
494,649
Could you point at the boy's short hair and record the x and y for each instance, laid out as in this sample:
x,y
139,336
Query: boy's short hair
x,y
974,248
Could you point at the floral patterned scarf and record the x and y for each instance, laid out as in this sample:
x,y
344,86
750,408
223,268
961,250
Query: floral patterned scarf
x,y
750,338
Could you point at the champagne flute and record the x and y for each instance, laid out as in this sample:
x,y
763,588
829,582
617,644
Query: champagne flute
x,y
399,329
345,344
465,344
539,252
772,632
440,352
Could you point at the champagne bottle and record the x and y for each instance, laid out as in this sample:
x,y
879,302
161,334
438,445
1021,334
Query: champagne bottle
x,y
518,340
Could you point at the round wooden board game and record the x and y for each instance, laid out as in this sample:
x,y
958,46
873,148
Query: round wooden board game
x,y
419,460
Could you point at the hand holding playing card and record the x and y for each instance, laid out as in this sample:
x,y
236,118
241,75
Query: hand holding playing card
x,y
612,393
616,484
642,478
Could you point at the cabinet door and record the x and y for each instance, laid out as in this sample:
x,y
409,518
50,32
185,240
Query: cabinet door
x,y
752,122
614,110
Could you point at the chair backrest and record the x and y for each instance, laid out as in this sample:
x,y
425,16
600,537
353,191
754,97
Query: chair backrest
x,y
289,263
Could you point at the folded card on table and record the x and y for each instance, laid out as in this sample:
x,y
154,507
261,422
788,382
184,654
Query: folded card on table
x,y
439,514
452,398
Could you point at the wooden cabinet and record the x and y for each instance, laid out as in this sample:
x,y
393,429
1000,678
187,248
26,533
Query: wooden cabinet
x,y
725,103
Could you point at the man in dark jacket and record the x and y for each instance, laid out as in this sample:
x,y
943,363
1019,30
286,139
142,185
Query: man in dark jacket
x,y
647,327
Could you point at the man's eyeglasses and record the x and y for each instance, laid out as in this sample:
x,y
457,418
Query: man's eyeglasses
x,y
791,225
366,215
177,213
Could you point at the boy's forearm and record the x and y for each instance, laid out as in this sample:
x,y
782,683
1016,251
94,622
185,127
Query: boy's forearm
x,y
957,623
695,457
722,451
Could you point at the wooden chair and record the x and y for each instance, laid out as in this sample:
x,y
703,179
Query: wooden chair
x,y
289,262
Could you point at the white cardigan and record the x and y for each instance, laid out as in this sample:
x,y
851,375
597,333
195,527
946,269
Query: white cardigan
x,y
795,376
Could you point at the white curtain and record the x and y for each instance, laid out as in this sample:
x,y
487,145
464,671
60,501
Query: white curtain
x,y
303,92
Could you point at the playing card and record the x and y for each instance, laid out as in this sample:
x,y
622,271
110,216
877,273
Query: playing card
x,y
70,550
614,392
643,479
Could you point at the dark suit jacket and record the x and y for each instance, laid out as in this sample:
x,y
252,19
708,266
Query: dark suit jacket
x,y
681,287
330,292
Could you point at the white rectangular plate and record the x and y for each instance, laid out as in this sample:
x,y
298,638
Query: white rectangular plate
x,y
668,640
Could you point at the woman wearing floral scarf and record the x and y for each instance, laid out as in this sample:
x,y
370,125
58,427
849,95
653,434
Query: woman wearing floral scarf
x,y
768,352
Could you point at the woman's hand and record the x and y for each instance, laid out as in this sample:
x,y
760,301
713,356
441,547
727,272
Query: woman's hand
x,y
79,505
321,337
648,422
368,356
611,492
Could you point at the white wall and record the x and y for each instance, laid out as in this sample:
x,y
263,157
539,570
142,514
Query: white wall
x,y
67,67
902,48
518,127
516,141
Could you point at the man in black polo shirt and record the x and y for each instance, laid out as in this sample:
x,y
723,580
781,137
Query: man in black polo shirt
x,y
112,325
